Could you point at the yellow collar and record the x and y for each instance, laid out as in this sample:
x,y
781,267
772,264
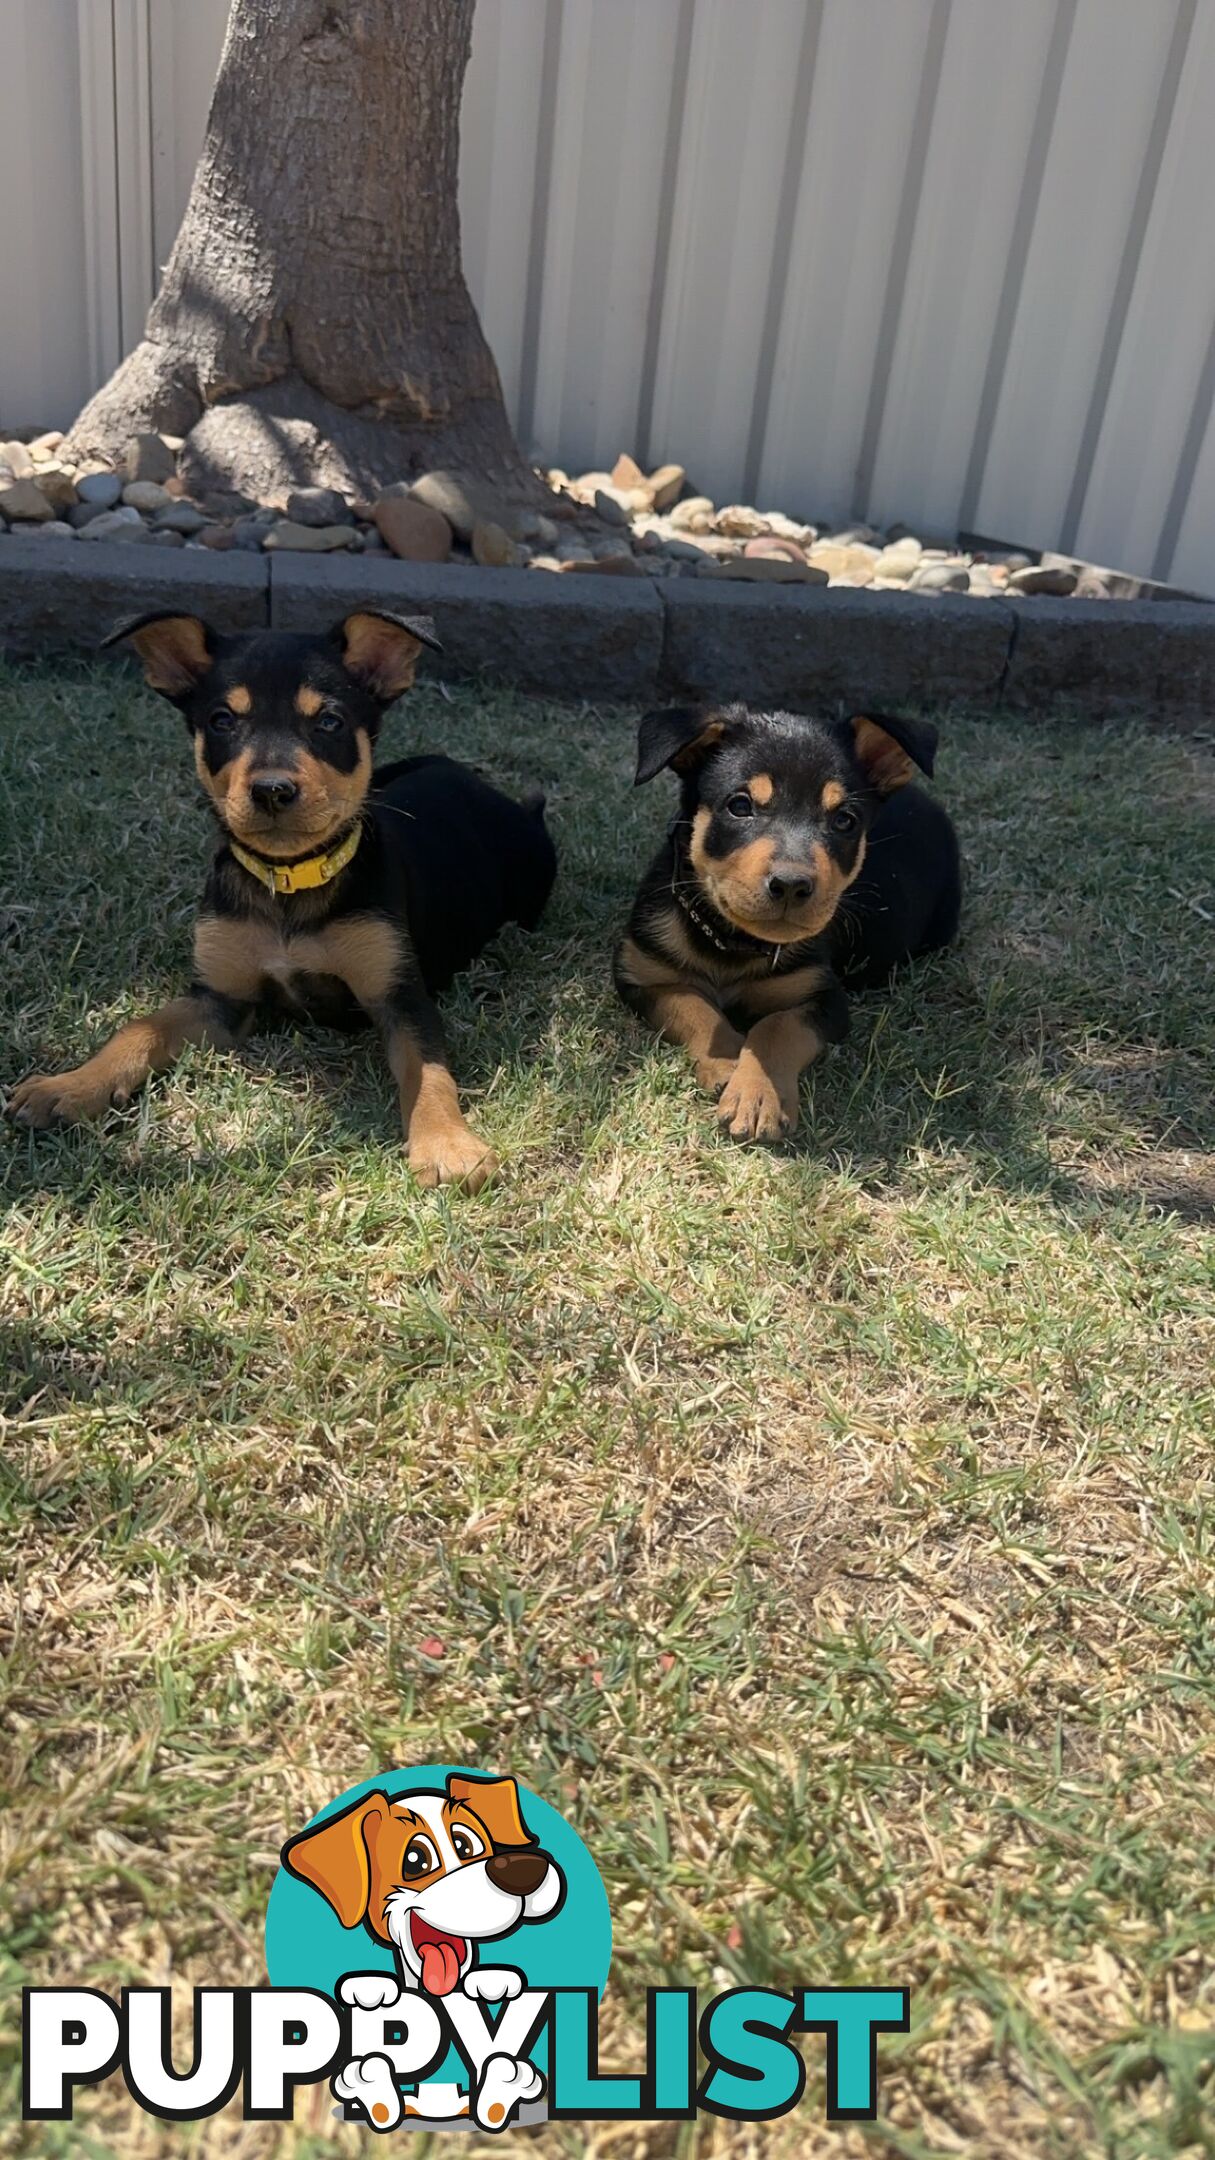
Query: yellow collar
x,y
299,876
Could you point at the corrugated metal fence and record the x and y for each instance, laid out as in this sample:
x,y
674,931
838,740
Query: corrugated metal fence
x,y
942,260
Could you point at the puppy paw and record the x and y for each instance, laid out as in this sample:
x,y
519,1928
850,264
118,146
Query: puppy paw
x,y
714,1073
751,1108
493,1984
505,2085
370,2084
453,1158
47,1099
370,1991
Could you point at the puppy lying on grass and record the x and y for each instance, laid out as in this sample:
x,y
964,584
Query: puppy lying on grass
x,y
800,861
339,893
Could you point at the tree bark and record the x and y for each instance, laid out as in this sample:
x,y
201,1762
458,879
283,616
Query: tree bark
x,y
313,324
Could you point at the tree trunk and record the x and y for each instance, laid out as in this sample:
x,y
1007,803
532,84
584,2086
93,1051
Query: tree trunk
x,y
313,325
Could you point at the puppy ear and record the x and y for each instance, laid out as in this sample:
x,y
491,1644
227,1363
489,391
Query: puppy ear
x,y
177,650
679,735
495,1802
335,1860
381,650
889,748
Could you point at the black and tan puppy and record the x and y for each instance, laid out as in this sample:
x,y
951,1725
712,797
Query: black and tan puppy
x,y
338,892
801,861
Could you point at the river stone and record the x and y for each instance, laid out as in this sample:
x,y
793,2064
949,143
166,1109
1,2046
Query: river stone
x,y
104,489
319,506
219,537
83,513
307,539
58,485
787,528
897,572
492,547
180,517
764,570
605,565
54,529
714,545
941,577
462,506
114,525
1041,578
44,449
850,563
739,522
412,529
610,507
688,551
150,457
249,533
18,459
855,536
146,495
767,546
1006,559
666,485
24,500
694,516
626,473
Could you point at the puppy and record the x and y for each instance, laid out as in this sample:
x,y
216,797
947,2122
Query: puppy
x,y
338,893
433,1875
800,861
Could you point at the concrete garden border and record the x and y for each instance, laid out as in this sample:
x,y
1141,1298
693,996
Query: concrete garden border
x,y
634,640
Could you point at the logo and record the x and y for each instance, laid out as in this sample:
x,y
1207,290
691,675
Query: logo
x,y
438,1942
443,1909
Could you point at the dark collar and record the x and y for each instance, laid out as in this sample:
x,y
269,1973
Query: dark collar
x,y
700,911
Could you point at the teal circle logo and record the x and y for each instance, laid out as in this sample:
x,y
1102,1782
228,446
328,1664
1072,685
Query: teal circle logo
x,y
437,1873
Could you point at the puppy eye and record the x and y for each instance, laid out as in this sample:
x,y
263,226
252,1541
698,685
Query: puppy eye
x,y
329,722
741,806
222,720
467,1844
844,821
420,1857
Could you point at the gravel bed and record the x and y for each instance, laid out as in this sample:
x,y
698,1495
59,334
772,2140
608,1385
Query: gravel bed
x,y
622,523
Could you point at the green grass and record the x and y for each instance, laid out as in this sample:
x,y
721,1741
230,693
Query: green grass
x,y
829,1530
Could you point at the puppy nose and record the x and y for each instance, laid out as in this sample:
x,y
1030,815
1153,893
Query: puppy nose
x,y
274,791
789,882
518,1873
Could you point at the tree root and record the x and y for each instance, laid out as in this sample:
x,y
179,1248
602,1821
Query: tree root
x,y
155,389
256,446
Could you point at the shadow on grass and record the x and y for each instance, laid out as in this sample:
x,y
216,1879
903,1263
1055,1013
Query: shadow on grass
x,y
929,1072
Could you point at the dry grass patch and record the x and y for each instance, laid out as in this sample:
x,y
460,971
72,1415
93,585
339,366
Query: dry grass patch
x,y
830,1531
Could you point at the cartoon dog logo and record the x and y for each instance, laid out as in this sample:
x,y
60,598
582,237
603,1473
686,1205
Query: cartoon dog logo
x,y
433,1875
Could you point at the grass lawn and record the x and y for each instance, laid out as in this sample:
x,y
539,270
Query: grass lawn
x,y
829,1531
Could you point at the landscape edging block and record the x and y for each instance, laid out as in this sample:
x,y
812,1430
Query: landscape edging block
x,y
1115,658
630,641
57,593
530,627
785,645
